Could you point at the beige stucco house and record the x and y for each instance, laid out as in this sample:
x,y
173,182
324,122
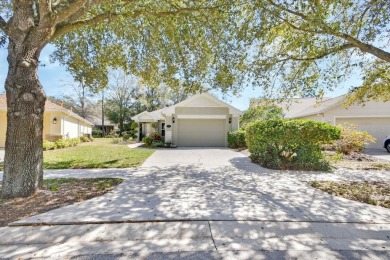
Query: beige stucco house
x,y
373,117
201,120
58,122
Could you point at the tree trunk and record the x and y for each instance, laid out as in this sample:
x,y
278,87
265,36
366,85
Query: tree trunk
x,y
23,162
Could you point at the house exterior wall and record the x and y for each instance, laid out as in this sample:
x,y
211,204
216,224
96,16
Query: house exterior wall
x,y
373,117
3,127
52,132
73,127
235,125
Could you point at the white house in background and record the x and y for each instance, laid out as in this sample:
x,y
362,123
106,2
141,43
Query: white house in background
x,y
201,120
58,122
373,117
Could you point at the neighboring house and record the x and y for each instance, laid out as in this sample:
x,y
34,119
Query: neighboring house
x,y
58,122
97,124
201,120
373,117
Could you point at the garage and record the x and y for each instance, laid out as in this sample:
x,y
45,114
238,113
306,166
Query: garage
x,y
202,132
378,127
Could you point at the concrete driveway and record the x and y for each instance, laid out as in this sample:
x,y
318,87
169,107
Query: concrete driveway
x,y
378,153
214,184
206,204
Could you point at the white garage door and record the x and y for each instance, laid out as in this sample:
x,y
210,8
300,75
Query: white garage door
x,y
201,132
378,127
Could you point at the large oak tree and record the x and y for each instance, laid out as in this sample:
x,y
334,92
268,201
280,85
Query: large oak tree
x,y
286,47
156,35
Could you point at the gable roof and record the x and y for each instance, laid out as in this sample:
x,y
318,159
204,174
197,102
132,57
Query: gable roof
x,y
318,107
232,110
49,106
160,113
303,107
98,121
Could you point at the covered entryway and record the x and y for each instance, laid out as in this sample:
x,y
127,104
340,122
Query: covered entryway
x,y
202,132
378,127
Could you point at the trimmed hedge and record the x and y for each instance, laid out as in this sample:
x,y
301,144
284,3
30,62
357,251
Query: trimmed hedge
x,y
290,144
64,143
236,139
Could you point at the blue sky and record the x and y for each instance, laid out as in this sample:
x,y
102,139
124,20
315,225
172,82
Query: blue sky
x,y
53,77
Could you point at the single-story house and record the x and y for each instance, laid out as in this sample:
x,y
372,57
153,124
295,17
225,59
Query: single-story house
x,y
97,124
373,116
201,120
58,122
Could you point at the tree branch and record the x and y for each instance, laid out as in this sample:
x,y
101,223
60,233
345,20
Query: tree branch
x,y
62,29
44,8
326,29
3,25
320,56
70,10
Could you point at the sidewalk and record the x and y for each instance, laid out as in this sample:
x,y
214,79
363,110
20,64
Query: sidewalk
x,y
199,240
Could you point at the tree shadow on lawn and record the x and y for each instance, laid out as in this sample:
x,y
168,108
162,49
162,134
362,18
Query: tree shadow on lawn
x,y
80,164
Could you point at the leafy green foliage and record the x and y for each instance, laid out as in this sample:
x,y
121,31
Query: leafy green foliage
x,y
148,140
63,143
352,140
290,144
236,139
97,133
186,45
300,47
376,85
134,129
266,112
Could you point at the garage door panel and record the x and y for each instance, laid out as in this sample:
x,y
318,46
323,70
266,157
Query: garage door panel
x,y
201,132
378,127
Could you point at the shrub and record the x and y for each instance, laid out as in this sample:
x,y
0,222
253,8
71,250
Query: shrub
x,y
73,141
148,141
157,138
126,135
85,139
290,144
116,140
134,129
236,139
112,134
352,140
61,143
159,144
47,145
97,133
261,112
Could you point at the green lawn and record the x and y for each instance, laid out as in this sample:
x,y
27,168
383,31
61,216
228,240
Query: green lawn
x,y
100,153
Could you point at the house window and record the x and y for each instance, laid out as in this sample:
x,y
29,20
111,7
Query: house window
x,y
162,129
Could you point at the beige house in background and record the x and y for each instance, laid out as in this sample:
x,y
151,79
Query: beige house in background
x,y
373,117
201,120
58,122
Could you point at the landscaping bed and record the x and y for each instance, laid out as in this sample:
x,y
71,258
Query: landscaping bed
x,y
55,193
102,153
358,161
375,193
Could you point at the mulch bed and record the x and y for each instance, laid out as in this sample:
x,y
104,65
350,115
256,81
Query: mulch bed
x,y
375,193
56,193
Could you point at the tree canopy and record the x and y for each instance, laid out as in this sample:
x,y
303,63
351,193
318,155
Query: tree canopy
x,y
284,47
300,47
